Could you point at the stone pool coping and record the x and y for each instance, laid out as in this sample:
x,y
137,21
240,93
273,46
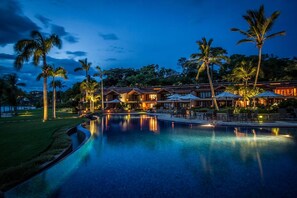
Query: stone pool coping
x,y
168,117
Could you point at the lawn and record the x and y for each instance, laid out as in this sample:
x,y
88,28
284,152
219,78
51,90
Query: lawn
x,y
26,141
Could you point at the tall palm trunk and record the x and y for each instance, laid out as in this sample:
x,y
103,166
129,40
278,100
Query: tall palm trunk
x,y
45,104
102,98
259,65
244,97
212,89
15,110
54,101
0,108
91,104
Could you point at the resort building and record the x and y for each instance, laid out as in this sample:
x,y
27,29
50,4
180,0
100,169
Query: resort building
x,y
156,97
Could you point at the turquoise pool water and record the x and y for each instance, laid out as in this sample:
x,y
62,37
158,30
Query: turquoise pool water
x,y
140,156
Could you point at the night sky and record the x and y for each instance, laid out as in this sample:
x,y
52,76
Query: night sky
x,y
135,33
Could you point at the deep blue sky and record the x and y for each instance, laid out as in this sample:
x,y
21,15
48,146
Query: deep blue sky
x,y
134,33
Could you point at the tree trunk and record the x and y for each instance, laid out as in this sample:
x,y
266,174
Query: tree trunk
x,y
244,97
15,109
45,104
0,108
54,101
258,67
212,89
102,98
91,104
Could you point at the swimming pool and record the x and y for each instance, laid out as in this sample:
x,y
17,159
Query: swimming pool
x,y
141,156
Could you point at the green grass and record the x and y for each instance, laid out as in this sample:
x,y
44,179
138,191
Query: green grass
x,y
26,143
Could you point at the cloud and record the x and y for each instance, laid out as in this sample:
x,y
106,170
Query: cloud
x,y
71,39
45,21
110,36
60,31
5,70
14,25
29,72
7,56
110,59
76,53
113,48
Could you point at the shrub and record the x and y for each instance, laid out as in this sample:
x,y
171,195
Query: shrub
x,y
292,103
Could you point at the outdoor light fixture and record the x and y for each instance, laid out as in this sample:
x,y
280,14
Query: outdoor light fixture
x,y
260,118
208,125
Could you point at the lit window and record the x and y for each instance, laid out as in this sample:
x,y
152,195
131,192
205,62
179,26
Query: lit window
x,y
153,96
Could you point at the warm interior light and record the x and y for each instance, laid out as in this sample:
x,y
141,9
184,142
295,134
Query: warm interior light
x,y
208,125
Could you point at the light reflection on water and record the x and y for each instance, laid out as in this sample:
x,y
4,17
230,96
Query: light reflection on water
x,y
136,156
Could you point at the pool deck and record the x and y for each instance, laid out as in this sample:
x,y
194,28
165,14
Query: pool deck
x,y
168,117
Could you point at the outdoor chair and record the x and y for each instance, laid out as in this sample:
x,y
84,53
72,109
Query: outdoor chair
x,y
282,113
255,116
243,117
209,115
230,115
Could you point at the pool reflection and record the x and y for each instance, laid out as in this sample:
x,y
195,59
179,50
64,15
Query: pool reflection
x,y
141,156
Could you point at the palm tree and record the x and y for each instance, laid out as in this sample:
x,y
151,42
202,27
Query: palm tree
x,y
58,84
100,73
205,58
56,72
2,92
243,73
90,88
37,47
259,26
12,90
84,66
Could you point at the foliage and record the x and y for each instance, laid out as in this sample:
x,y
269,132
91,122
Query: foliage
x,y
37,47
259,27
85,65
208,56
288,103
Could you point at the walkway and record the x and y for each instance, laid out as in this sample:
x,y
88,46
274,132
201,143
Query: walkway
x,y
168,117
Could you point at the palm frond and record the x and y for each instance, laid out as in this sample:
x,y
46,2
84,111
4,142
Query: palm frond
x,y
201,69
245,41
39,76
282,33
78,69
55,40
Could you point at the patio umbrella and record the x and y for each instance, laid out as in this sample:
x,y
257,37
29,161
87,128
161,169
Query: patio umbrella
x,y
227,95
114,101
174,97
268,94
189,97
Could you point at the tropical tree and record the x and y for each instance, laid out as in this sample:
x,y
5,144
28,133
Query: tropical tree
x,y
56,72
37,47
100,74
84,66
12,90
2,93
244,72
204,59
259,27
59,84
90,88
